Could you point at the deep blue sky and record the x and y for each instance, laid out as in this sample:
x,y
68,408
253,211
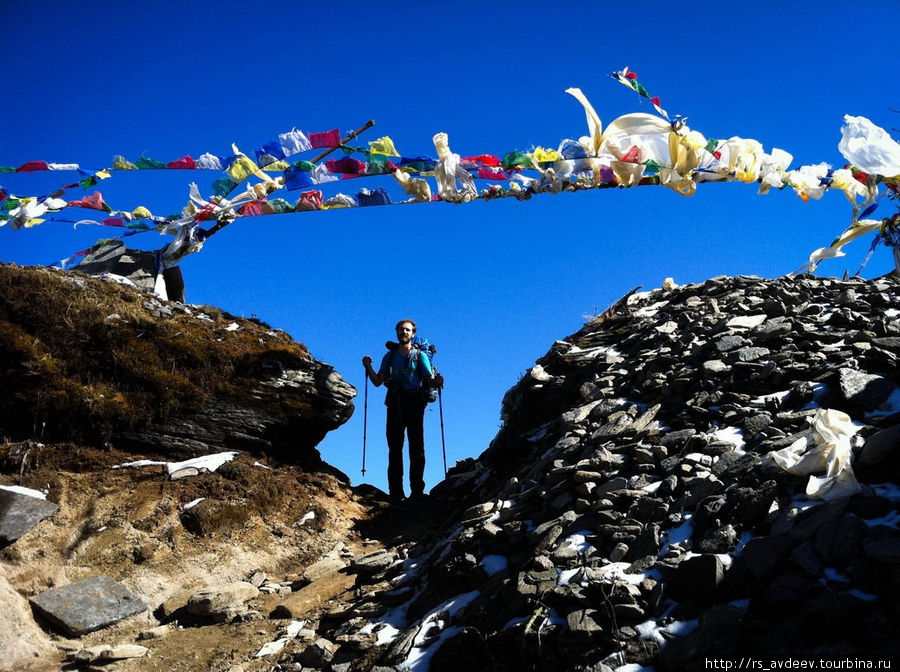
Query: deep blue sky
x,y
495,283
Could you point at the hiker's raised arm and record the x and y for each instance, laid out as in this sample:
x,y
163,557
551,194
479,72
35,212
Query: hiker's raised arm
x,y
373,375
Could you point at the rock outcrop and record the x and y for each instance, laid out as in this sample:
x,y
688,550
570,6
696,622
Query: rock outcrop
x,y
94,361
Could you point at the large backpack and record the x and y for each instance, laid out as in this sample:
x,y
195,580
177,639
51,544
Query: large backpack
x,y
420,345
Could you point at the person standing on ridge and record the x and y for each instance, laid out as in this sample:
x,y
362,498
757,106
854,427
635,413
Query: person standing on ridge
x,y
405,370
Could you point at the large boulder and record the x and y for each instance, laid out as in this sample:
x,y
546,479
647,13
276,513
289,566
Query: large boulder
x,y
95,361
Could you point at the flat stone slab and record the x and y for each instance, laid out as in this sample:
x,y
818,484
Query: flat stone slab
x,y
87,605
19,513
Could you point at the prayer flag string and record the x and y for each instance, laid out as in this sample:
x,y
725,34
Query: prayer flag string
x,y
636,149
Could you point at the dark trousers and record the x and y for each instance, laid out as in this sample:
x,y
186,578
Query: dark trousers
x,y
405,411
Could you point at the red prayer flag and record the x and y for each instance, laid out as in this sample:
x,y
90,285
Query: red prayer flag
x,y
184,163
655,100
492,174
633,155
327,139
113,221
93,202
32,166
310,200
631,75
482,159
252,209
347,166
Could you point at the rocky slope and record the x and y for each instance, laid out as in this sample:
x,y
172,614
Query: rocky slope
x,y
629,511
635,509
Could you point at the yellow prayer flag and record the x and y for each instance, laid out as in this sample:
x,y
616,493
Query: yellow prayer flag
x,y
241,169
141,212
102,174
34,222
121,163
276,167
383,146
541,154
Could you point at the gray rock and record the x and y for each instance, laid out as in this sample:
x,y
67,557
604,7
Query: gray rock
x,y
728,343
714,366
763,555
582,624
750,353
880,446
884,549
618,423
864,390
613,484
87,605
318,654
372,563
697,579
19,513
400,648
806,558
223,602
322,567
839,541
721,539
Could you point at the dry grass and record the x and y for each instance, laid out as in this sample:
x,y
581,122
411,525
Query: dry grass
x,y
80,356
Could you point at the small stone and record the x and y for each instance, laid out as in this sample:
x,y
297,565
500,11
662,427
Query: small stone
x,y
714,366
318,654
618,553
746,321
223,601
751,354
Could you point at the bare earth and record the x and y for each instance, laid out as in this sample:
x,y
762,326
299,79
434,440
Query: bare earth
x,y
130,524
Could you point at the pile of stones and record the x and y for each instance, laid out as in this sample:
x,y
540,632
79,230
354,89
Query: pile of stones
x,y
629,512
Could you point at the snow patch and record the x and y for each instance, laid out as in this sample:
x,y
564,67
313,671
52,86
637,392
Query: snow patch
x,y
202,464
493,564
732,435
21,490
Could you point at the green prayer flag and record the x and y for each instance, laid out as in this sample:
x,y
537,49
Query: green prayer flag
x,y
146,163
7,169
10,204
516,158
305,166
378,164
279,205
641,90
88,182
223,186
711,145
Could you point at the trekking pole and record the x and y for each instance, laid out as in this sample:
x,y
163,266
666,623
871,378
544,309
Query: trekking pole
x,y
443,442
365,416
